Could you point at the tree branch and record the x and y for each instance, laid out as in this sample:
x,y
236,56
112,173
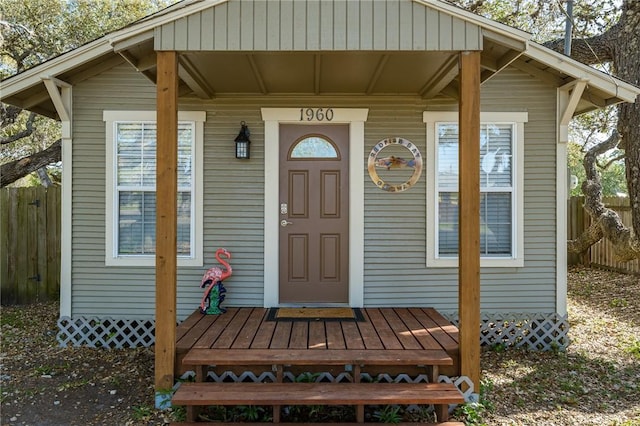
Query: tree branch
x,y
592,50
607,222
8,114
10,172
23,134
610,162
588,238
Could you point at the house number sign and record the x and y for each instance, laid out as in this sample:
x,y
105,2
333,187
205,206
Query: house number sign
x,y
316,114
393,162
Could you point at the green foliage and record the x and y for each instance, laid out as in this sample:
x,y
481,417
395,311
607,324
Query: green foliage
x,y
36,30
44,369
618,303
142,412
307,377
546,21
632,347
251,413
472,413
498,347
12,318
632,422
73,385
388,414
179,413
45,131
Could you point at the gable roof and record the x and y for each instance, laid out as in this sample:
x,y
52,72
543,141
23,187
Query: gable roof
x,y
388,40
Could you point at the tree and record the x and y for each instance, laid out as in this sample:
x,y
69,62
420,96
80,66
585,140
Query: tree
x,y
610,38
585,132
32,32
620,46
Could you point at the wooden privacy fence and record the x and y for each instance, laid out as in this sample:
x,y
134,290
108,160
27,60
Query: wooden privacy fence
x,y
29,244
600,254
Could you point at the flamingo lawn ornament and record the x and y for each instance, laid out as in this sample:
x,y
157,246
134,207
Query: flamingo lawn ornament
x,y
212,281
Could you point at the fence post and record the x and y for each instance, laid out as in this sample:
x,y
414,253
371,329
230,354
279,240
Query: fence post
x,y
577,223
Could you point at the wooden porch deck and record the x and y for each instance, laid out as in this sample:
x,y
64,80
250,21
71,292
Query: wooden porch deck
x,y
417,332
392,341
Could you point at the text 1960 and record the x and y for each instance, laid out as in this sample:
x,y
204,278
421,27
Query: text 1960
x,y
316,114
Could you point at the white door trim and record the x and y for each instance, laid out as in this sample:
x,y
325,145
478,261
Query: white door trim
x,y
356,118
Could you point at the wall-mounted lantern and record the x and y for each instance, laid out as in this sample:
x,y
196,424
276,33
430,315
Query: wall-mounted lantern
x,y
243,142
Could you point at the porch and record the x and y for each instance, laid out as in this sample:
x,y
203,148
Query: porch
x,y
419,332
248,345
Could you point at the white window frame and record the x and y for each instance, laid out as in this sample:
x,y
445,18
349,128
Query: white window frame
x,y
111,118
431,119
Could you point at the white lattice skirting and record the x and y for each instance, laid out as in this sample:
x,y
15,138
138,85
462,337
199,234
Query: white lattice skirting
x,y
533,331
541,332
106,332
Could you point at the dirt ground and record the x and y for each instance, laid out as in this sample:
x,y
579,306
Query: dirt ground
x,y
595,382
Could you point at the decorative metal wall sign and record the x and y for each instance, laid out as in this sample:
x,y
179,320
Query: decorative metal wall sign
x,y
394,162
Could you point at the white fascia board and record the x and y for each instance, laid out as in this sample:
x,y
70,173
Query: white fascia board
x,y
55,66
95,49
483,22
622,90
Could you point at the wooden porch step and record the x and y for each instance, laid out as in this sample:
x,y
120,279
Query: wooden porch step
x,y
357,394
316,393
323,424
230,357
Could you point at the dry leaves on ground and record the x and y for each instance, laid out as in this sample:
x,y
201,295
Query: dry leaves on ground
x,y
45,385
595,382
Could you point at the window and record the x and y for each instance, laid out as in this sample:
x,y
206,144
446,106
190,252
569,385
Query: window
x,y
131,188
314,147
501,199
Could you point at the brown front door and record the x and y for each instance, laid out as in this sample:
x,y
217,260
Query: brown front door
x,y
314,214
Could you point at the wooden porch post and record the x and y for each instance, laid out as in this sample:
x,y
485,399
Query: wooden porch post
x,y
166,218
469,217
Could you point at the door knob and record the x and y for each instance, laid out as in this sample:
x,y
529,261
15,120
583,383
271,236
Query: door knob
x,y
284,223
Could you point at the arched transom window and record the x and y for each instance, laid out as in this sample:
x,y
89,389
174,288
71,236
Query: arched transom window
x,y
314,147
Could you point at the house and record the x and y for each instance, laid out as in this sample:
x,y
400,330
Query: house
x,y
372,126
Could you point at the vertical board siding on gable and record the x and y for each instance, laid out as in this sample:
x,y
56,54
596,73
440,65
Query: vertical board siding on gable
x,y
258,25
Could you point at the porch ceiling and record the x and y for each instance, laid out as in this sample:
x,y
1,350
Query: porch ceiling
x,y
417,73
211,74
425,74
370,73
208,75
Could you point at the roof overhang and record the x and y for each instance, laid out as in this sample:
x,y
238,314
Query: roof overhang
x,y
259,69
557,69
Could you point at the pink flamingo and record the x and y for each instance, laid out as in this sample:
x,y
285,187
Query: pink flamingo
x,y
214,276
